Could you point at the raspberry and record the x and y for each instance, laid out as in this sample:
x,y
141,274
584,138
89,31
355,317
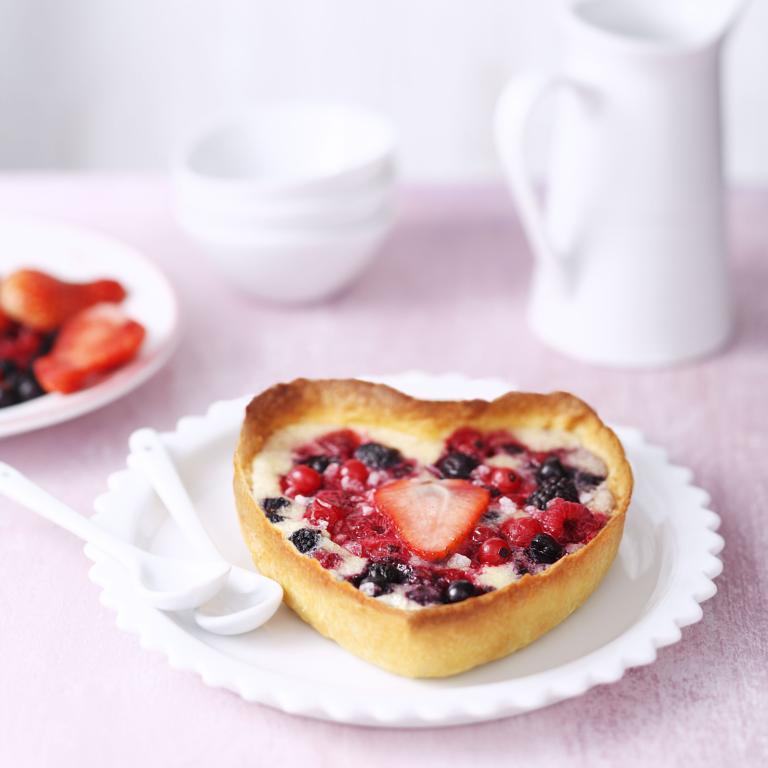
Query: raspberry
x,y
326,508
568,522
519,531
327,559
341,443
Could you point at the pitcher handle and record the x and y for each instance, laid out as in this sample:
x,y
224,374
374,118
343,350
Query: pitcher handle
x,y
514,109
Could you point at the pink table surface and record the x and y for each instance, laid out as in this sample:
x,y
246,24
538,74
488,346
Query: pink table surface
x,y
446,295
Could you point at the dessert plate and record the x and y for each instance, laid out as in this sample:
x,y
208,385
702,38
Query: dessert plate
x,y
79,255
664,569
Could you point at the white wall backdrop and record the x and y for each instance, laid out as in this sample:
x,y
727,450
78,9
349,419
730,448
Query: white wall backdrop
x,y
114,84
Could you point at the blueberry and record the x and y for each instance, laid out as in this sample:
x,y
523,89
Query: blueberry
x,y
424,594
456,465
318,463
459,590
377,456
556,488
551,469
544,549
272,507
305,539
388,573
27,387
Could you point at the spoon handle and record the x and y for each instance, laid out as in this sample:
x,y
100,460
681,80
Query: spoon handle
x,y
150,456
22,490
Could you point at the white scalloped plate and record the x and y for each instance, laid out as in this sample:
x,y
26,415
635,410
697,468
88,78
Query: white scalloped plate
x,y
665,567
76,253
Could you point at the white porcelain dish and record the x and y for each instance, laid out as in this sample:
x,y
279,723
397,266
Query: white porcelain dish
x,y
293,268
290,200
78,254
665,567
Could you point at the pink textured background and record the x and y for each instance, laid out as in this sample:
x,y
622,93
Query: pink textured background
x,y
447,295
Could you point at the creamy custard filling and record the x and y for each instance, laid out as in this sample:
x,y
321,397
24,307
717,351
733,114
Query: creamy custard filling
x,y
541,482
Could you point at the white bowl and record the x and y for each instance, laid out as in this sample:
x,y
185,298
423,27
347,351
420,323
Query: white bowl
x,y
291,267
277,151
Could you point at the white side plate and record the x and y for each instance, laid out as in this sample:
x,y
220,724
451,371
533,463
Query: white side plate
x,y
77,254
664,569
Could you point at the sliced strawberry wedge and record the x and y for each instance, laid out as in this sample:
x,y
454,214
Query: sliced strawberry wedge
x,y
432,516
42,302
92,342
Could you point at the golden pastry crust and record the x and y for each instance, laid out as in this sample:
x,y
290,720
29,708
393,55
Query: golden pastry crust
x,y
441,640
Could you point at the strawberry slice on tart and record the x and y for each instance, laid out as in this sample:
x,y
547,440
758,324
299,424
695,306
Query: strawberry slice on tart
x,y
432,516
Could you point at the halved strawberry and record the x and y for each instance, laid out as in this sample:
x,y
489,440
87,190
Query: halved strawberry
x,y
42,302
92,342
432,516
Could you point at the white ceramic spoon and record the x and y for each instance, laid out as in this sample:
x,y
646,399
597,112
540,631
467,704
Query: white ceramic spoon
x,y
247,599
169,585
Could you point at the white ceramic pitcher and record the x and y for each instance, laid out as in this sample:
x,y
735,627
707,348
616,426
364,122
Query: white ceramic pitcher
x,y
630,249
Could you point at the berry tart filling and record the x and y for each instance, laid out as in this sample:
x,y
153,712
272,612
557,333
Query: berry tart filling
x,y
417,523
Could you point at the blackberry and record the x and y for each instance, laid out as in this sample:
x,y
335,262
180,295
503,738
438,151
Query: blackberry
x,y
551,469
305,540
377,456
587,480
557,488
456,465
512,448
272,508
384,573
459,590
424,594
319,463
544,549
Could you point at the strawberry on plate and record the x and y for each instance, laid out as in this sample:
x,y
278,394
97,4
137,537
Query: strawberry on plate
x,y
94,341
43,303
432,516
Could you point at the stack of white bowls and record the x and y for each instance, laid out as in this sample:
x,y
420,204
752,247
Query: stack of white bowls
x,y
291,200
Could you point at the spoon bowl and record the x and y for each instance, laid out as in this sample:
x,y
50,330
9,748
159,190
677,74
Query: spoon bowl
x,y
178,585
246,602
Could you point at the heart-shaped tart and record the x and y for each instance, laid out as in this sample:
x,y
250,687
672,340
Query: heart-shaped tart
x,y
429,537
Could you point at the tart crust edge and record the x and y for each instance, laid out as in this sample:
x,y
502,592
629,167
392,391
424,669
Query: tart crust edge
x,y
441,640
